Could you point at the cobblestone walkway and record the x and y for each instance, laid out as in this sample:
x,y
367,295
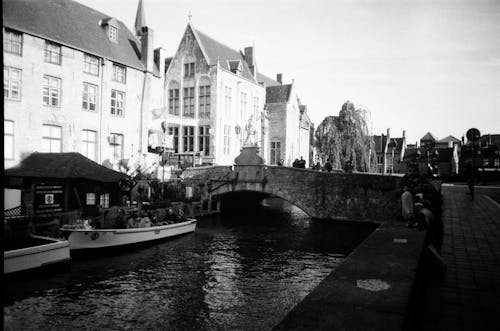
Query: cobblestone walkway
x,y
468,298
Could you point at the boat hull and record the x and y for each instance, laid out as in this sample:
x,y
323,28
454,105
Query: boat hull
x,y
83,239
55,251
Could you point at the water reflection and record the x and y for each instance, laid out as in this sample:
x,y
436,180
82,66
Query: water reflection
x,y
244,273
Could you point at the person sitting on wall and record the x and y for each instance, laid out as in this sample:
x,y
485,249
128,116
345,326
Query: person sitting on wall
x,y
420,202
280,162
295,163
301,163
328,166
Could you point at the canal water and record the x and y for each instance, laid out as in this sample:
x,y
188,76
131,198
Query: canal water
x,y
233,273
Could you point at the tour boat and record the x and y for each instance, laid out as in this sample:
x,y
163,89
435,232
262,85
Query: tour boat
x,y
87,239
35,252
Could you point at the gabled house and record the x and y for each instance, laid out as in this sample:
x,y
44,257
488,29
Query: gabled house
x,y
290,126
213,98
389,152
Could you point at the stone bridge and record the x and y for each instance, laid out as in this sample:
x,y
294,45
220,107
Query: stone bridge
x,y
336,195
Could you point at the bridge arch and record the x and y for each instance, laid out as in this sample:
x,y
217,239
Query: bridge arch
x,y
338,195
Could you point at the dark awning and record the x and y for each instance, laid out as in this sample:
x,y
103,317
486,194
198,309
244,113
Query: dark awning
x,y
63,166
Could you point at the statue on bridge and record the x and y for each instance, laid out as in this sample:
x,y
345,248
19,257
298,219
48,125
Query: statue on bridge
x,y
251,132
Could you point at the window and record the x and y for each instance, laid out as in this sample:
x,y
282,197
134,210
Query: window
x,y
113,33
486,162
204,140
188,102
173,100
174,132
255,107
91,65
119,73
204,101
52,138
89,144
89,101
227,100
90,199
52,53
243,108
51,91
227,139
275,152
116,143
8,140
13,42
189,69
117,102
497,162
11,83
188,138
104,200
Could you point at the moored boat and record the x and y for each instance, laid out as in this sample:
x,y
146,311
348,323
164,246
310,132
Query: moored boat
x,y
34,252
91,239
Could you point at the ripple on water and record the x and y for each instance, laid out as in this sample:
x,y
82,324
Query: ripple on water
x,y
223,277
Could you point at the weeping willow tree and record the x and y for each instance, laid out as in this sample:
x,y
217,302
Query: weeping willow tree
x,y
345,140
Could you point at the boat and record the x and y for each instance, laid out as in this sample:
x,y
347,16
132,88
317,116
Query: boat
x,y
34,252
93,239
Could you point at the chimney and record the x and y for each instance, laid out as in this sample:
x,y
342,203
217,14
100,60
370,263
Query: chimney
x,y
250,58
404,133
147,56
279,78
159,57
388,134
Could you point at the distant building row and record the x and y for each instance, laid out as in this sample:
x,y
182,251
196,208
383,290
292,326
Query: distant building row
x,y
78,80
447,157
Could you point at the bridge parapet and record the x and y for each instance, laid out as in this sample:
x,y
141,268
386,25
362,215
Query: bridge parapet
x,y
338,195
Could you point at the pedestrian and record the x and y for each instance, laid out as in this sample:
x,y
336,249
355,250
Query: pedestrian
x,y
328,166
301,163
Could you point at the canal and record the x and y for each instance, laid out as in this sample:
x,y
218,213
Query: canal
x,y
234,273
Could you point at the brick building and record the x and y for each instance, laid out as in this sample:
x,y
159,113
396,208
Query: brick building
x,y
77,80
290,126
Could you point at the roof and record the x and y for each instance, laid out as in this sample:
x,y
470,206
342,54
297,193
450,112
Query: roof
x,y
428,136
215,50
380,142
168,60
279,93
266,80
63,165
72,24
448,139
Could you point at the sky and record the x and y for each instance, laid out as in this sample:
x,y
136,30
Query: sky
x,y
414,65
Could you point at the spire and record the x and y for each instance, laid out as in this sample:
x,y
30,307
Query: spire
x,y
140,19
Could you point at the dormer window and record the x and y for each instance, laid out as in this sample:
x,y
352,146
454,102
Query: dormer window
x,y
113,33
111,27
235,67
